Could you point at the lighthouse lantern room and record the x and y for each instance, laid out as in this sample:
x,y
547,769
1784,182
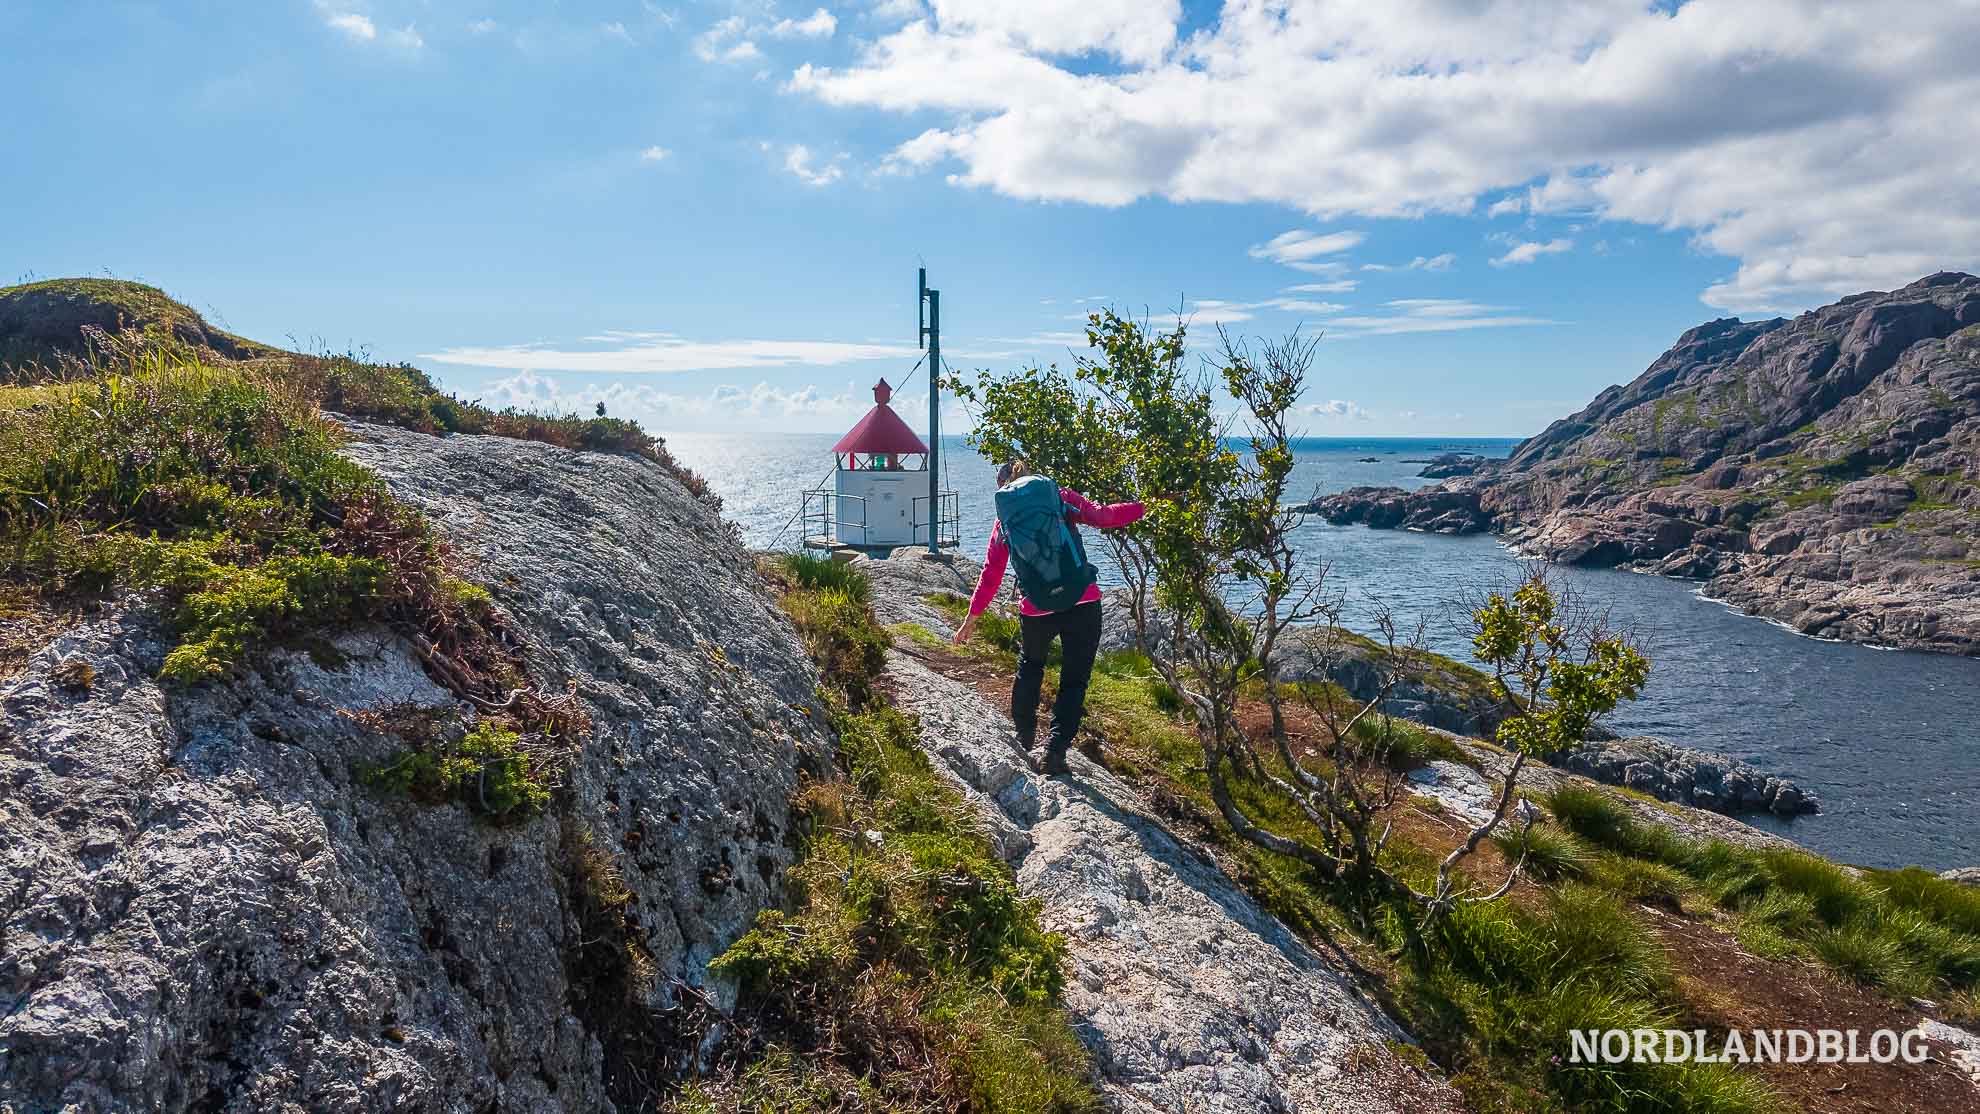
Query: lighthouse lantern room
x,y
879,497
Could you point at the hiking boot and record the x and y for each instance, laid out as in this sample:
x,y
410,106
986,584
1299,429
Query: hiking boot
x,y
1052,762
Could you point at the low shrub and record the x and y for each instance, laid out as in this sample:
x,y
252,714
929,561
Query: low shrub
x,y
489,769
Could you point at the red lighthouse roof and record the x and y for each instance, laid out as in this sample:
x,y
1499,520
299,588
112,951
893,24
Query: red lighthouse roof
x,y
881,430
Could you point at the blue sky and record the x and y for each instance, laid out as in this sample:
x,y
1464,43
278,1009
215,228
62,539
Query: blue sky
x,y
710,215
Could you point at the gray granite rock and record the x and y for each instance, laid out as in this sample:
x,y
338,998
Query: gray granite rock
x,y
200,908
1688,777
1191,996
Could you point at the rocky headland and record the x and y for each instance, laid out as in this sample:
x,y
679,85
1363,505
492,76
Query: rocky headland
x,y
205,909
1822,471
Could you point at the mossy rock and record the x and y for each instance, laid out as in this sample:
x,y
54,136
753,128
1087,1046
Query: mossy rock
x,y
40,322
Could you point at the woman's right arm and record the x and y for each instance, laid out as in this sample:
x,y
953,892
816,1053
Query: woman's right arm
x,y
987,584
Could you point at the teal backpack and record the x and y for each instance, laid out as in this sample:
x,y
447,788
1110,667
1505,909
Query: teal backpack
x,y
1046,552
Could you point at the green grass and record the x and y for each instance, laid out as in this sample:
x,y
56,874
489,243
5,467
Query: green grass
x,y
1500,987
1905,931
202,483
1819,495
999,634
71,330
42,324
228,498
1551,854
812,573
1505,985
908,972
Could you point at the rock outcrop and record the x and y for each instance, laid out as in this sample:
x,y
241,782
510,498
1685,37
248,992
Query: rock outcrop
x,y
1446,465
1191,996
201,909
1967,874
1687,777
1822,471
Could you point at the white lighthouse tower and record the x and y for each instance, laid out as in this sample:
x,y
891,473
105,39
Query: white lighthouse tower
x,y
879,500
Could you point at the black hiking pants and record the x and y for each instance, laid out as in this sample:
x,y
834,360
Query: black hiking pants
x,y
1078,629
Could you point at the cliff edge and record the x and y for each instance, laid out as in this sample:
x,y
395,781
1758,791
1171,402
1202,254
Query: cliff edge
x,y
1822,471
202,908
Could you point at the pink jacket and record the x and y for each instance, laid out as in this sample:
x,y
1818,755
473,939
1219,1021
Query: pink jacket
x,y
1085,513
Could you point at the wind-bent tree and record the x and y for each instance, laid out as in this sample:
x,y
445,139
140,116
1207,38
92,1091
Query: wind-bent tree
x,y
1221,599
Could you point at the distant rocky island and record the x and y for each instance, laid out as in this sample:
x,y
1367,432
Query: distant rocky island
x,y
1822,471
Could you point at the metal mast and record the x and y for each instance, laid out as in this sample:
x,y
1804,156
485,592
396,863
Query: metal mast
x,y
931,333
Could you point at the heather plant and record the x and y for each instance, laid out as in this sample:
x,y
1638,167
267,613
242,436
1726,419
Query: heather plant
x,y
223,494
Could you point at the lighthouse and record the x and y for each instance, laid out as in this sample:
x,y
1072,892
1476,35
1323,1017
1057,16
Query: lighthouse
x,y
879,498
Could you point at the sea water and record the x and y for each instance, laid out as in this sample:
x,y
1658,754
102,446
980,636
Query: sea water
x,y
1887,739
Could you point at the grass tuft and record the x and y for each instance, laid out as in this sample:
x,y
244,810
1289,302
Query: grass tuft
x,y
909,973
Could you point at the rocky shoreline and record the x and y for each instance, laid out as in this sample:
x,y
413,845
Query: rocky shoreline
x,y
1687,777
1822,472
1454,698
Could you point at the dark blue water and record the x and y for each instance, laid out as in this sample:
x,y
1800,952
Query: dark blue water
x,y
1887,739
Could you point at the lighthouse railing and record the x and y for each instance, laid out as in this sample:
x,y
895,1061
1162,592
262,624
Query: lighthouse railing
x,y
822,519
947,520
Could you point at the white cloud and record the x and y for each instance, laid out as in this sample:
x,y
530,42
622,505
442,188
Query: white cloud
x,y
1301,245
1429,315
818,25
725,42
798,160
616,30
351,23
1338,286
630,352
1044,340
1512,203
1530,250
1823,147
1442,262
359,27
655,153
1134,31
1297,305
725,406
1339,408
1217,311
896,10
483,27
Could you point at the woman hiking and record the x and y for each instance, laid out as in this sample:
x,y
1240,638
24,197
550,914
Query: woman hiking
x,y
1038,524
